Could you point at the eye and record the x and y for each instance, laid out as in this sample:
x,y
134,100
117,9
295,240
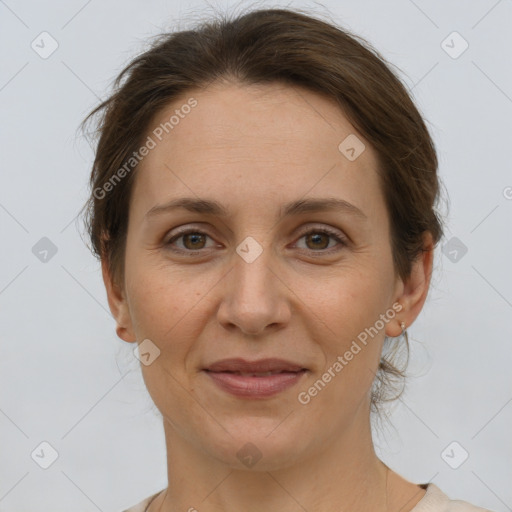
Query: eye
x,y
192,240
319,239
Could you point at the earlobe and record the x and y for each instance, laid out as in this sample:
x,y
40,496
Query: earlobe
x,y
125,334
118,305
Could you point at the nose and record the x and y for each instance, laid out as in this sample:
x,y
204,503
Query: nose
x,y
254,298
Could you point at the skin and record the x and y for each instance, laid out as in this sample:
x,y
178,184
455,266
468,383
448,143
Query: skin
x,y
253,149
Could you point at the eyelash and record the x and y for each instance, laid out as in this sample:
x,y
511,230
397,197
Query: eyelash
x,y
326,231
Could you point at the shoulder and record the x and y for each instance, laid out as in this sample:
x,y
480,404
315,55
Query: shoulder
x,y
436,500
143,505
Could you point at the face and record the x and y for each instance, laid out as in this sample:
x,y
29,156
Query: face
x,y
238,273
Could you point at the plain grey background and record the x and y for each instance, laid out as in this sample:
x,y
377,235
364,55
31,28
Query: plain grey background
x,y
65,377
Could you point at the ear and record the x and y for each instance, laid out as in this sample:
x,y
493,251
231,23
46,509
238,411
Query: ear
x,y
414,288
118,305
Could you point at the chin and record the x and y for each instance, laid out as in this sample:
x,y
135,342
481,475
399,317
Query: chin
x,y
257,444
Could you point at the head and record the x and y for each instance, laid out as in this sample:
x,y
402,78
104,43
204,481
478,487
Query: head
x,y
283,128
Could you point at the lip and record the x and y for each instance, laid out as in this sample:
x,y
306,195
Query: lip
x,y
251,379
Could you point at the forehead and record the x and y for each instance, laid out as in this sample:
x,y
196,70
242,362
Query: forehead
x,y
258,143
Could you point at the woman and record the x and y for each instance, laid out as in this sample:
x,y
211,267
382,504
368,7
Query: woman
x,y
263,205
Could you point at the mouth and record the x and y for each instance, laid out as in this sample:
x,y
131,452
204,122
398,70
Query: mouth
x,y
257,379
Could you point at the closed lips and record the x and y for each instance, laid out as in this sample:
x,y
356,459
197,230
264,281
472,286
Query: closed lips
x,y
262,367
258,374
260,379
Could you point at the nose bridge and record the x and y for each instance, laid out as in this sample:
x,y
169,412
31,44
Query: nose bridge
x,y
252,270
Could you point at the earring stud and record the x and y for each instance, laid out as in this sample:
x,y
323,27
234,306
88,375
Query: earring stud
x,y
402,325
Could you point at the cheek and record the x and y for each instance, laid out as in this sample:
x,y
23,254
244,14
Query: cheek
x,y
345,316
167,306
168,311
346,309
349,299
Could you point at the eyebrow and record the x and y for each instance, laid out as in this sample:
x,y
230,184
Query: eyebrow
x,y
210,207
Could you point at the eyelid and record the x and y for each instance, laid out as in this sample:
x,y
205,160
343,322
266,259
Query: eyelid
x,y
322,228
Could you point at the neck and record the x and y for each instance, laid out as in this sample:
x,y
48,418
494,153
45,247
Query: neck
x,y
345,475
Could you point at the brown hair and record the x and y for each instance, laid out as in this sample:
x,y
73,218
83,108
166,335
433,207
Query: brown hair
x,y
266,46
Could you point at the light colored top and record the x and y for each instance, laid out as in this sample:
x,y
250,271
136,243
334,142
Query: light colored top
x,y
434,500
